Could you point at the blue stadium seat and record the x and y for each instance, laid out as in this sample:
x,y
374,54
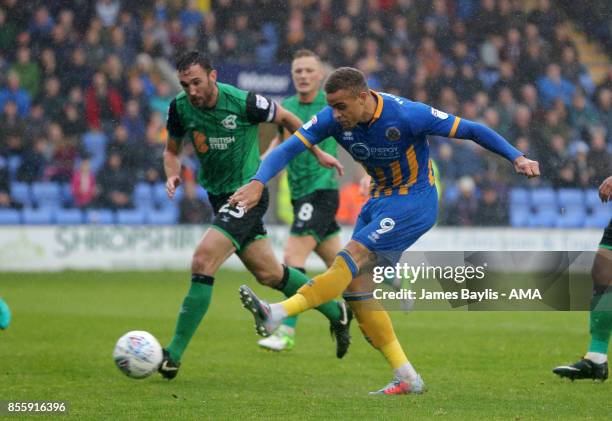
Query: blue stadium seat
x,y
519,216
99,216
9,217
164,216
70,216
592,199
569,197
94,144
131,216
545,216
47,194
160,197
600,216
66,194
572,216
38,216
543,197
143,195
519,197
13,164
20,192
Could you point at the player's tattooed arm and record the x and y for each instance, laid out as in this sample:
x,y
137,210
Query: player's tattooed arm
x,y
172,165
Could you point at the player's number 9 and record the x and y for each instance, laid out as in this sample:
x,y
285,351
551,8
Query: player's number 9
x,y
386,225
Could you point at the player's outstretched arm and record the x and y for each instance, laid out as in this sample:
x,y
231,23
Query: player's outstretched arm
x,y
248,195
605,190
172,166
493,141
286,119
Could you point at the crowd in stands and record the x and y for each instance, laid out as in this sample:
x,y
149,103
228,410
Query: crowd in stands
x,y
83,100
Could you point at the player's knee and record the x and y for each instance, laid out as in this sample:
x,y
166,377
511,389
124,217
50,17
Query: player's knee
x,y
268,277
202,261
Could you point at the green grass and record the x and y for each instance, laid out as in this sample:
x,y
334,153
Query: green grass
x,y
477,365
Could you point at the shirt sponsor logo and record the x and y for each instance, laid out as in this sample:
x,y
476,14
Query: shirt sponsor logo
x,y
221,143
362,152
440,114
229,122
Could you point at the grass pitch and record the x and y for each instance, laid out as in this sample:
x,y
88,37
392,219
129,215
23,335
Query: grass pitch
x,y
494,365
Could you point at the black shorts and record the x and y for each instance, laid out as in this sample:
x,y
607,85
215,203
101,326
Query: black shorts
x,y
315,215
242,228
606,240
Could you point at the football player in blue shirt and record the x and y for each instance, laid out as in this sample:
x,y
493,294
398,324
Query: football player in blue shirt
x,y
388,136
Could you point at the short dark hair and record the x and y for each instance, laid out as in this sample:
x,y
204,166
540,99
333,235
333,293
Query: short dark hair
x,y
346,78
190,58
304,52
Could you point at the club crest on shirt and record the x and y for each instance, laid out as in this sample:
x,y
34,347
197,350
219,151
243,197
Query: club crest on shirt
x,y
229,122
393,133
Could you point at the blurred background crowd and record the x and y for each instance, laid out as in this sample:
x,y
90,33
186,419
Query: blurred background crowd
x,y
85,85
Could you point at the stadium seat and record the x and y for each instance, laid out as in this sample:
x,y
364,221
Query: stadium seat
x,y
545,216
66,196
164,216
38,216
543,197
160,197
599,217
592,199
131,216
519,216
143,195
47,194
100,216
20,193
572,216
9,217
94,144
569,197
519,197
13,164
71,216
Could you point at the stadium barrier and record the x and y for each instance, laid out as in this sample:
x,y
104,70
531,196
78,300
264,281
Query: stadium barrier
x,y
117,247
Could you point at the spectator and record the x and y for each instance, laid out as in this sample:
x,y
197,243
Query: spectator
x,y
582,115
35,161
115,184
28,71
598,158
108,11
64,155
553,86
464,211
8,32
52,100
15,93
103,104
83,185
10,123
604,104
192,209
5,190
492,210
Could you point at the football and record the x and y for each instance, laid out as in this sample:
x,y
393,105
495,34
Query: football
x,y
137,354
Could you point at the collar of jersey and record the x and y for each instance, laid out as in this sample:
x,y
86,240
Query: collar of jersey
x,y
379,107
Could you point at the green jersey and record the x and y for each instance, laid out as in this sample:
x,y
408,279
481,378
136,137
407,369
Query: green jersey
x,y
305,174
225,138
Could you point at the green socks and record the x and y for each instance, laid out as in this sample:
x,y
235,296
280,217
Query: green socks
x,y
601,322
293,279
193,310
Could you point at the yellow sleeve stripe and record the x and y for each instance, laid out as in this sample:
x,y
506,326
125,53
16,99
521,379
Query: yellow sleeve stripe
x,y
303,139
453,131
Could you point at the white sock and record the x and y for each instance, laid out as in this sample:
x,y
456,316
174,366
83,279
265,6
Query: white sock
x,y
277,312
406,372
596,357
